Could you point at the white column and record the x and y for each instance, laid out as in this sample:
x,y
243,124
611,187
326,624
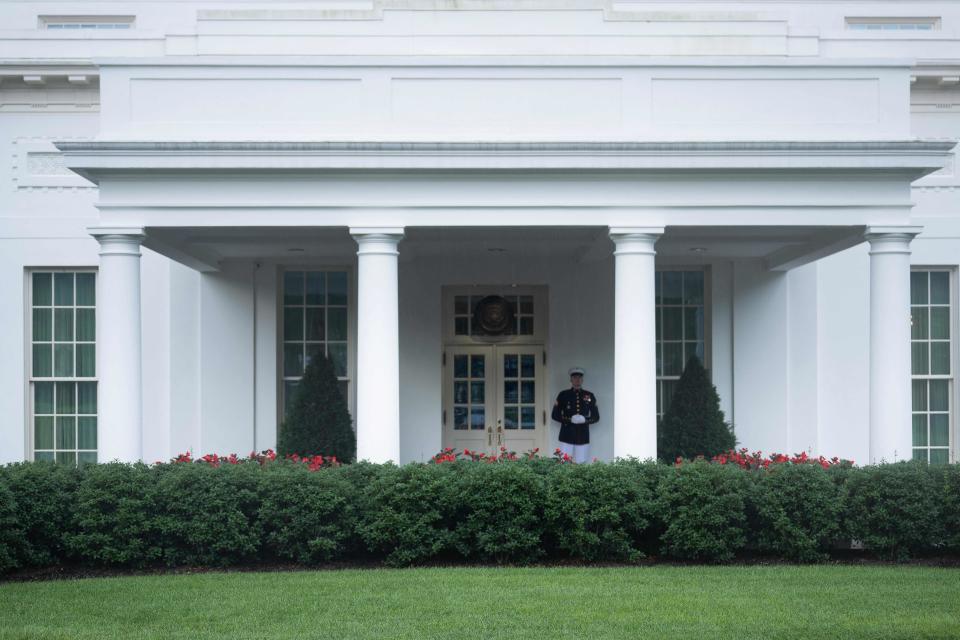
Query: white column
x,y
635,365
890,392
120,417
378,344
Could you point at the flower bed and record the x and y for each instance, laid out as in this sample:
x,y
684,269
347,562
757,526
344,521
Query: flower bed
x,y
468,507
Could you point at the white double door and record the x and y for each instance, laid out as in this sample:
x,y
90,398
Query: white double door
x,y
493,397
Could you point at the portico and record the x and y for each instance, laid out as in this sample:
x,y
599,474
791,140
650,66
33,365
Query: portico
x,y
638,206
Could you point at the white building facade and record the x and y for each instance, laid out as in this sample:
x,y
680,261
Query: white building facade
x,y
201,196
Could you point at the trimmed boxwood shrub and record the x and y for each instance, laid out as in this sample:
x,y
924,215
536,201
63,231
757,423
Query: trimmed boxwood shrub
x,y
307,517
225,512
600,512
895,509
36,502
797,510
703,507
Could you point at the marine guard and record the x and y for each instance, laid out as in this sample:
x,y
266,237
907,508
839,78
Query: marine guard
x,y
576,409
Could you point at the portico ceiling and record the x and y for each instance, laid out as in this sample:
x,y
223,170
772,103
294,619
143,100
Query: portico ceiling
x,y
782,247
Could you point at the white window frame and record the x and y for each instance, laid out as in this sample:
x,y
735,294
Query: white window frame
x,y
350,378
29,413
953,391
707,334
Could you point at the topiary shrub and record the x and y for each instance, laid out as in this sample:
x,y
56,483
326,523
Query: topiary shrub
x,y
319,422
693,425
950,495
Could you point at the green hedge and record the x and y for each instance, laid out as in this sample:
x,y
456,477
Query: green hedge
x,y
196,514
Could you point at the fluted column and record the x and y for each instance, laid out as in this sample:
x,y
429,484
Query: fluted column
x,y
635,366
378,344
119,365
890,392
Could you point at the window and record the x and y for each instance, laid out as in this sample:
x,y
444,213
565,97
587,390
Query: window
x,y
315,322
521,306
893,24
86,22
63,376
680,328
931,356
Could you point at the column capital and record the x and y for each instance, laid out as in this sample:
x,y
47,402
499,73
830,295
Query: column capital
x,y
635,240
377,240
891,239
118,240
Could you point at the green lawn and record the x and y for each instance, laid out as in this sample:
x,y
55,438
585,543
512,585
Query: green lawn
x,y
655,602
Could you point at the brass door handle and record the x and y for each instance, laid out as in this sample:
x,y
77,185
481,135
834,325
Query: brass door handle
x,y
489,436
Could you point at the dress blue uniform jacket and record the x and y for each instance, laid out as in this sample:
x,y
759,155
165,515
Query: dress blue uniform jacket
x,y
569,403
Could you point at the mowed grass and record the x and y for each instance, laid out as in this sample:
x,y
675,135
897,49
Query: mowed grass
x,y
655,602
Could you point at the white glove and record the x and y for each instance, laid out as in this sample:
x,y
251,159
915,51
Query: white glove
x,y
578,419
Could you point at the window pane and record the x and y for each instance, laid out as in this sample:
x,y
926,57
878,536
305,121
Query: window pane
x,y
918,288
526,326
460,305
939,395
919,395
510,417
293,359
460,395
43,432
526,304
461,326
477,391
510,391
86,325
669,386
63,360
44,456
527,365
337,287
939,287
920,358
63,289
460,418
691,349
672,358
293,323
672,328
42,289
86,361
86,457
86,432
66,432
527,418
693,323
939,430
42,325
316,287
477,418
338,354
672,292
63,325
315,323
939,456
67,457
940,323
920,454
337,324
66,398
527,391
86,289
919,323
693,287
478,365
293,287
42,360
460,367
940,358
289,395
87,397
42,397
920,430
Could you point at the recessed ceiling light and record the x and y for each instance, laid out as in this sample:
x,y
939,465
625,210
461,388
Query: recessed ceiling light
x,y
295,250
698,249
